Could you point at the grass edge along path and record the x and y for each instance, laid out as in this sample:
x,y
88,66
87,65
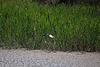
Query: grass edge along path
x,y
22,25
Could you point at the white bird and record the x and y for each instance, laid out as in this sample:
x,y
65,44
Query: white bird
x,y
51,36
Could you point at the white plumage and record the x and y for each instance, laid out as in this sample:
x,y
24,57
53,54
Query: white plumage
x,y
51,36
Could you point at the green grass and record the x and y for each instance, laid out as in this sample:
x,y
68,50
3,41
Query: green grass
x,y
22,24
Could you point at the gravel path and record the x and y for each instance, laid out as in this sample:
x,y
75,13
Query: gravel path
x,y
40,58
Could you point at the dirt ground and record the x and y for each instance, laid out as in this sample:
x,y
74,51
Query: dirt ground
x,y
43,58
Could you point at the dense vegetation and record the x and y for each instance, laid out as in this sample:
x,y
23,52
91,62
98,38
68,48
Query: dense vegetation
x,y
22,24
72,2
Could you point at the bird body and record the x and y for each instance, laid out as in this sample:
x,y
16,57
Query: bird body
x,y
51,36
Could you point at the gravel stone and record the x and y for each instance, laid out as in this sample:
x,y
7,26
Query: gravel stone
x,y
41,58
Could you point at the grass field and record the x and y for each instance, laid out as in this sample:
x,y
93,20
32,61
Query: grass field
x,y
22,24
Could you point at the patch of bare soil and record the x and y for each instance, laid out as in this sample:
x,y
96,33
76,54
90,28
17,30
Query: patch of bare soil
x,y
42,58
